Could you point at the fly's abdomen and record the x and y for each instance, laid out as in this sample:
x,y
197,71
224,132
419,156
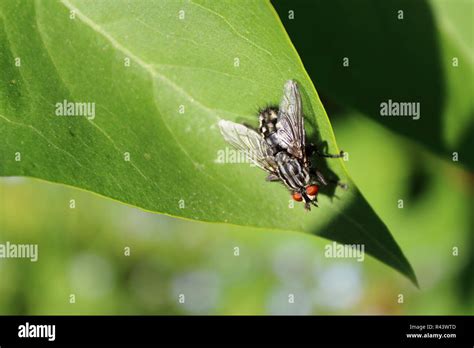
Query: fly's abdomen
x,y
294,175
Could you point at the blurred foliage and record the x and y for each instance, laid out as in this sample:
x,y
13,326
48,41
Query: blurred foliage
x,y
404,56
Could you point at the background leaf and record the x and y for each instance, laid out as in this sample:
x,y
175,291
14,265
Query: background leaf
x,y
176,64
405,60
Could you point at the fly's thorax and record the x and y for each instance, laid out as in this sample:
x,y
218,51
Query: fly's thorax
x,y
273,141
267,121
293,173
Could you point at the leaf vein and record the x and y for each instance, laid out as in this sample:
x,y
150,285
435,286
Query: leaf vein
x,y
41,135
149,67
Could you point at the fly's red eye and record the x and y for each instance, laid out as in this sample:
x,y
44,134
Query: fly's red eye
x,y
312,190
297,197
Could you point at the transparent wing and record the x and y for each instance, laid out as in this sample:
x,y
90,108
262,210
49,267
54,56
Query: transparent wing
x,y
290,121
250,142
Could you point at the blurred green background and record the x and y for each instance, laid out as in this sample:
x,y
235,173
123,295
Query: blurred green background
x,y
82,250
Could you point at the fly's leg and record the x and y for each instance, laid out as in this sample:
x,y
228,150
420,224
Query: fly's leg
x,y
328,155
320,177
272,177
312,149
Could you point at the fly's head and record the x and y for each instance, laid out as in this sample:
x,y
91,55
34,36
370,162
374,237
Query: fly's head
x,y
308,194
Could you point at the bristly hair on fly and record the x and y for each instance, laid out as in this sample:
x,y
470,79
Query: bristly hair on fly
x,y
278,146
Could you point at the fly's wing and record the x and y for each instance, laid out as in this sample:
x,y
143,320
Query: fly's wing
x,y
290,121
250,142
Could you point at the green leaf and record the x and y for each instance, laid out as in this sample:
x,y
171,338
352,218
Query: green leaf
x,y
191,64
404,57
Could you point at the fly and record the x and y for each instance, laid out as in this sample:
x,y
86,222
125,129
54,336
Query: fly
x,y
279,146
